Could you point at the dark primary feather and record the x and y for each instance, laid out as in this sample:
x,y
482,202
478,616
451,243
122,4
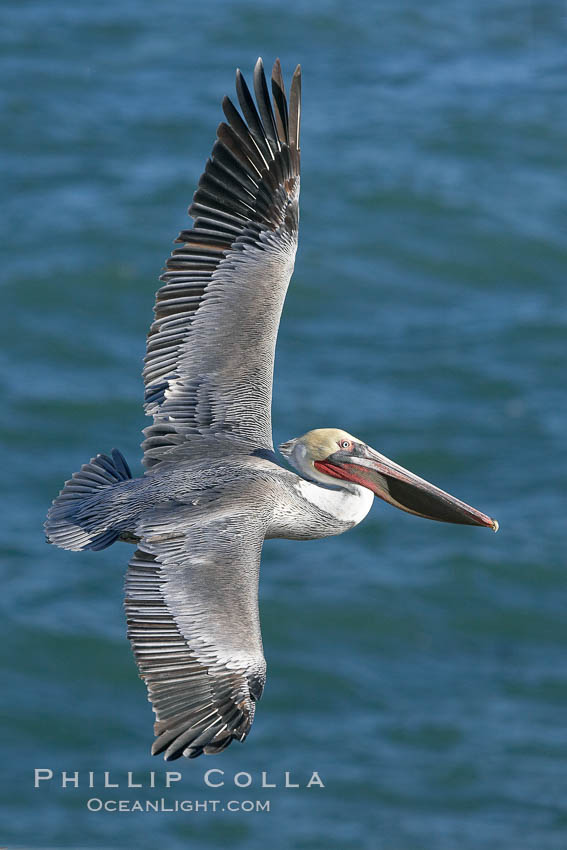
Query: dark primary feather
x,y
280,104
263,101
210,351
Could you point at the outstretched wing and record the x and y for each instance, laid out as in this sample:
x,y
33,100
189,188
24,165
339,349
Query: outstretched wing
x,y
210,351
192,613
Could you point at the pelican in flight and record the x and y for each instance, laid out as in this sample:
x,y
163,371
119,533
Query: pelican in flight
x,y
213,488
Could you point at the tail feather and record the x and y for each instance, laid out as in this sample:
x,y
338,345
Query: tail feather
x,y
77,518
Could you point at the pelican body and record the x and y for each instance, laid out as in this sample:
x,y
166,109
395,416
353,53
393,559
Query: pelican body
x,y
214,489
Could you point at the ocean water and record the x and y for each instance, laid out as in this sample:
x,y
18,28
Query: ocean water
x,y
418,668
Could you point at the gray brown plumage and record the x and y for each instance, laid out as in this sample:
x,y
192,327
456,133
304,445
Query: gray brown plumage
x,y
213,489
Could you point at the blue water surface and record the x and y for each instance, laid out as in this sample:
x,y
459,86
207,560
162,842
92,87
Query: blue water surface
x,y
418,668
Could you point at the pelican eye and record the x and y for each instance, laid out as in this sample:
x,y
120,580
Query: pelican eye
x,y
345,444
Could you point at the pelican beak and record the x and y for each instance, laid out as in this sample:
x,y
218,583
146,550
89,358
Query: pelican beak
x,y
400,487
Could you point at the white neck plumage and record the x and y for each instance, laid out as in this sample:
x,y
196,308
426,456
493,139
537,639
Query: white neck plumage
x,y
346,501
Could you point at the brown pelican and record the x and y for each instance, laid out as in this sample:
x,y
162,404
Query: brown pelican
x,y
213,489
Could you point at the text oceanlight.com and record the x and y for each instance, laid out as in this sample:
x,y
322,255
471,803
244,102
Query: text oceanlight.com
x,y
95,804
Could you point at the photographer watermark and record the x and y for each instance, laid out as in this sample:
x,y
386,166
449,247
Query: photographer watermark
x,y
214,778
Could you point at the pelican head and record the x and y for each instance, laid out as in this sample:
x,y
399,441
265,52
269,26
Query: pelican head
x,y
331,456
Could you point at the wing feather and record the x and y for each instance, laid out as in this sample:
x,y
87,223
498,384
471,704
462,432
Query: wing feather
x,y
280,103
265,107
